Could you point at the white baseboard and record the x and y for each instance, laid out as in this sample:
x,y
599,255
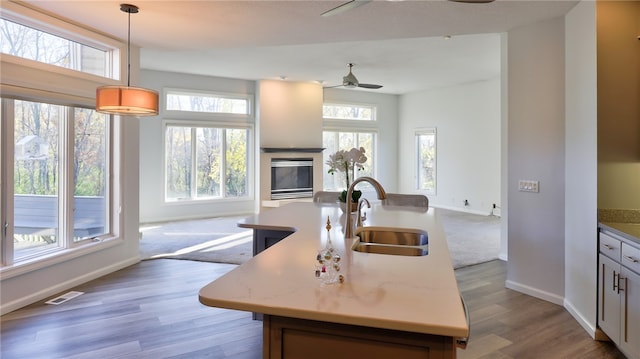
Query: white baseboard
x,y
61,287
584,323
463,209
535,292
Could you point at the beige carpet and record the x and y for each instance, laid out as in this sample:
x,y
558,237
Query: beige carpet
x,y
472,239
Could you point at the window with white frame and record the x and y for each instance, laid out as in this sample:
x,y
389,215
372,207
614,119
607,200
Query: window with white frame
x,y
60,164
333,141
349,112
206,162
347,126
213,103
30,43
425,147
208,158
57,151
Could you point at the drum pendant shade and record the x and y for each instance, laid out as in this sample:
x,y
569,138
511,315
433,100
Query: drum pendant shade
x,y
127,100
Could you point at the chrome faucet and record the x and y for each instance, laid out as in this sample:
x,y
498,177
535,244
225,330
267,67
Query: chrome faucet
x,y
359,217
348,231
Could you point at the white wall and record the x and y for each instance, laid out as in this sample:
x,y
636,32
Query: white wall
x,y
581,165
152,205
536,151
467,120
386,121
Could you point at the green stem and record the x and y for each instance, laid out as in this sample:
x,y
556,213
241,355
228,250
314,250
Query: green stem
x,y
346,173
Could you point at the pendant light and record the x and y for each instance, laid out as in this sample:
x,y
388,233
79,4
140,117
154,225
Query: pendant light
x,y
127,100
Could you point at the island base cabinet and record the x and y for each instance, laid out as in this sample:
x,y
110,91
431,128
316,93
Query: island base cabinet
x,y
297,338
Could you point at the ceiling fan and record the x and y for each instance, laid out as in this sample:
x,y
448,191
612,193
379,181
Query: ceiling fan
x,y
350,81
355,3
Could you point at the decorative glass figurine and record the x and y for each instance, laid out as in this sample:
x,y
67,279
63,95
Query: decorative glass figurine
x,y
328,261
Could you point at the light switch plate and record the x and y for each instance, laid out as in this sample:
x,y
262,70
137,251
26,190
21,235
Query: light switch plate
x,y
528,186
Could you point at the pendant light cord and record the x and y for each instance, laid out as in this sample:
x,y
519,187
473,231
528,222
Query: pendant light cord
x,y
129,51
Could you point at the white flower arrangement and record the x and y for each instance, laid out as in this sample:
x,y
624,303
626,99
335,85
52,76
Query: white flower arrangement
x,y
348,162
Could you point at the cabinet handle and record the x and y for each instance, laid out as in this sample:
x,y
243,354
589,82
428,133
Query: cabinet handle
x,y
602,291
621,288
626,310
615,282
631,259
608,246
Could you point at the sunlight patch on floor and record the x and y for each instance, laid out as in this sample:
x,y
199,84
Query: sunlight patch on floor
x,y
215,244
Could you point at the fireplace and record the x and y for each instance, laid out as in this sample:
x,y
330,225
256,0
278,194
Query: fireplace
x,y
291,178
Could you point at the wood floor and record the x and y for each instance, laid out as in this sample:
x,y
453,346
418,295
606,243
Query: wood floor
x,y
151,310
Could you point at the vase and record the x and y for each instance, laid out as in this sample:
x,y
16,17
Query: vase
x,y
353,205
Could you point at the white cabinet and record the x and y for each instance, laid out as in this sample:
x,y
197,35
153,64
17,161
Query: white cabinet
x,y
619,292
630,323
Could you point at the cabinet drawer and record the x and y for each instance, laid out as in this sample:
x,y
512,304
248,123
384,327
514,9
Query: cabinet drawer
x,y
631,257
610,246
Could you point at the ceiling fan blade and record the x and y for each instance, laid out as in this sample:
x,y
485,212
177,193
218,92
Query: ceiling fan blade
x,y
370,86
345,7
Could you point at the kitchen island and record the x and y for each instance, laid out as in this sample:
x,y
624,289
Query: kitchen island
x,y
405,305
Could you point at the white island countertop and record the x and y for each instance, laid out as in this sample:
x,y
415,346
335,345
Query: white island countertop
x,y
415,294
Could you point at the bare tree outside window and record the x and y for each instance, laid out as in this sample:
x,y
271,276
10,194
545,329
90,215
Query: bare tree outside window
x,y
426,160
29,43
41,133
215,159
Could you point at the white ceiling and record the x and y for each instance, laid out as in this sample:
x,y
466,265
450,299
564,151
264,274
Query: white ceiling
x,y
398,44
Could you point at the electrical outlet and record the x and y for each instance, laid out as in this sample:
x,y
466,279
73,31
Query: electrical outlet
x,y
528,186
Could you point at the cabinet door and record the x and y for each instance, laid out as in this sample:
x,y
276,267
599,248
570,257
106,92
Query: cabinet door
x,y
630,320
609,297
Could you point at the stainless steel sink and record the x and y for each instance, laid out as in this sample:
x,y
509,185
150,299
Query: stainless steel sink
x,y
392,236
398,250
393,241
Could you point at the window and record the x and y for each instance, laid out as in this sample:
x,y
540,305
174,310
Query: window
x,y
333,141
60,166
29,43
426,160
60,174
348,125
350,112
189,101
205,162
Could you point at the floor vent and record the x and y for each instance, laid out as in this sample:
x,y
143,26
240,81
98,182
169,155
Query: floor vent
x,y
64,298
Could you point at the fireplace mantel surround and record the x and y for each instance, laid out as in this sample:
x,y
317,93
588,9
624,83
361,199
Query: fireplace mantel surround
x,y
290,118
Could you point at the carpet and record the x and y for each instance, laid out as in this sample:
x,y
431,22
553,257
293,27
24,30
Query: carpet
x,y
471,238
208,240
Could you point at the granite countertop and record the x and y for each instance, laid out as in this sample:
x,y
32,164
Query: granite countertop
x,y
630,231
416,294
623,222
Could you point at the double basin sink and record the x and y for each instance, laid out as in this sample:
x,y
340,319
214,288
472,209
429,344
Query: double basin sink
x,y
392,241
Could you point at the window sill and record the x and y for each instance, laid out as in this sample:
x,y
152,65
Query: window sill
x,y
56,256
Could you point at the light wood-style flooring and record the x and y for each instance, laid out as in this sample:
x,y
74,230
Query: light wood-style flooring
x,y
151,310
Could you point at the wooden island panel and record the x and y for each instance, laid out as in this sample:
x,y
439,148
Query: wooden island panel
x,y
291,338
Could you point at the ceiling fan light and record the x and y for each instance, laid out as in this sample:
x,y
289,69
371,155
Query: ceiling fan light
x,y
125,100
